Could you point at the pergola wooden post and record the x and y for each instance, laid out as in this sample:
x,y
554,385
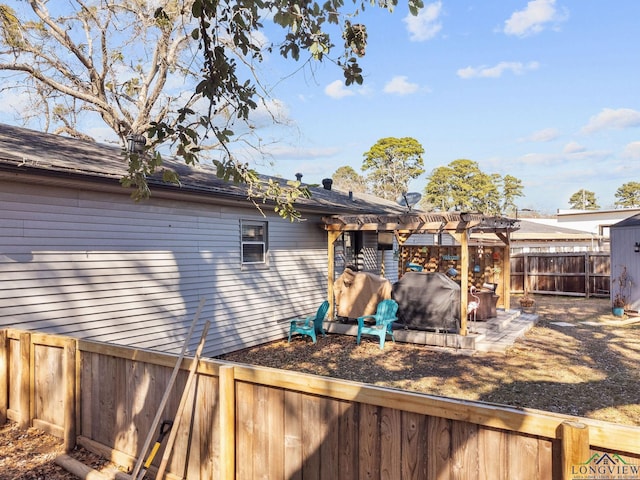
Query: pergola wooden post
x,y
506,269
462,239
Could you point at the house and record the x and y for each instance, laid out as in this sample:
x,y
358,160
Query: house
x,y
79,257
625,260
539,237
596,222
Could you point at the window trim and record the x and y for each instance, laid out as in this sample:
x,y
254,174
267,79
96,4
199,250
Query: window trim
x,y
264,242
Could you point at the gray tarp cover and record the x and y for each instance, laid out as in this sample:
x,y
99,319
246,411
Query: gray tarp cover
x,y
427,301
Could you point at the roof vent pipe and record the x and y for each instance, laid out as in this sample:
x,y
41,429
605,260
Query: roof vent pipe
x,y
136,143
299,177
326,183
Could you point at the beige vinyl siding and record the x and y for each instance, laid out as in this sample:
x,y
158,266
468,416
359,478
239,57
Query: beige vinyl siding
x,y
100,266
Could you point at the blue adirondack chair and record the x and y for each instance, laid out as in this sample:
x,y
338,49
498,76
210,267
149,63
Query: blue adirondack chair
x,y
310,325
384,317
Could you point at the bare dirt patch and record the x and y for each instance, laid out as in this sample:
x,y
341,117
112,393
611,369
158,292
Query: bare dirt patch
x,y
588,368
30,455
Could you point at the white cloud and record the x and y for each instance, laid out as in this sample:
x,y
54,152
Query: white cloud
x,y
400,86
102,133
13,103
496,71
290,152
565,158
425,25
259,38
269,110
609,118
573,147
545,135
632,151
337,89
533,18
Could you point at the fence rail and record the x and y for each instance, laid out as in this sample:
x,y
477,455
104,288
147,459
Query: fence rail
x,y
243,422
581,273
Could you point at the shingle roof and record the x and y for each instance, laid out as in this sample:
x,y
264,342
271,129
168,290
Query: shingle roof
x,y
30,152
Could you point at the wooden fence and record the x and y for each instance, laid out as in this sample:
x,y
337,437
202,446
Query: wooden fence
x,y
580,273
248,422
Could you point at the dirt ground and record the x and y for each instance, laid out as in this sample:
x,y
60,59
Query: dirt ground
x,y
588,365
30,455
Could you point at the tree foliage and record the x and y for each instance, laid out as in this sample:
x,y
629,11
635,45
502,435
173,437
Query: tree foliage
x,y
583,200
628,195
391,164
117,59
462,186
511,189
346,178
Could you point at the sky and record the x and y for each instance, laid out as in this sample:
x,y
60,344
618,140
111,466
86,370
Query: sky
x,y
544,90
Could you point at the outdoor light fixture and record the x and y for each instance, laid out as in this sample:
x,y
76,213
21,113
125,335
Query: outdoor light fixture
x,y
636,248
136,143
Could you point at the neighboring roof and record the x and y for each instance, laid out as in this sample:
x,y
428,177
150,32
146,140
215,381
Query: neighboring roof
x,y
542,231
54,157
628,222
604,211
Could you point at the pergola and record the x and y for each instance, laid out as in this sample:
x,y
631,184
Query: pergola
x,y
458,225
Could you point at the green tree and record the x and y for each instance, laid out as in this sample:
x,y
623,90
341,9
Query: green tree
x,y
346,178
583,200
462,186
391,164
486,197
511,189
439,191
628,195
116,60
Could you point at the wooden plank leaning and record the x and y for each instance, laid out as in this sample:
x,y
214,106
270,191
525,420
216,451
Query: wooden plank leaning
x,y
183,401
165,397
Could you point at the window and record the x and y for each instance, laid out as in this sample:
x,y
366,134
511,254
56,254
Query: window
x,y
253,242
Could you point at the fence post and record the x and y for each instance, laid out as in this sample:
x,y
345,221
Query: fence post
x,y
575,447
227,401
25,381
587,274
4,377
69,360
525,276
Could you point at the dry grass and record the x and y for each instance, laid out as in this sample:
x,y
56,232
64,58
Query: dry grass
x,y
586,369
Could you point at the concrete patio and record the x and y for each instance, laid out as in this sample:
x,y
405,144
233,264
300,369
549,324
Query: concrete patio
x,y
493,335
